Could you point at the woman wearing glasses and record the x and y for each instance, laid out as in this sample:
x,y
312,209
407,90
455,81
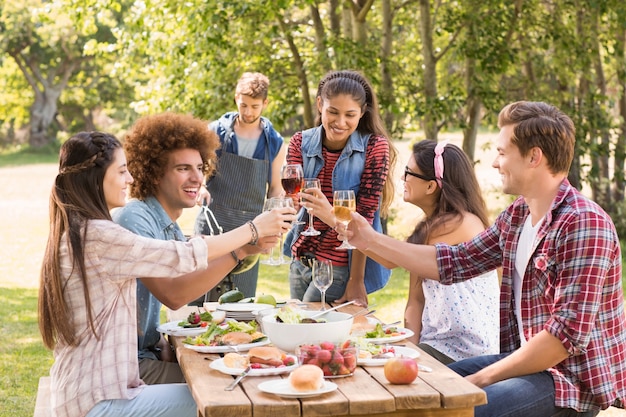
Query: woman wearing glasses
x,y
457,321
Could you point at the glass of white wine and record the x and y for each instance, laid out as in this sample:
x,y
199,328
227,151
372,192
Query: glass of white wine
x,y
344,203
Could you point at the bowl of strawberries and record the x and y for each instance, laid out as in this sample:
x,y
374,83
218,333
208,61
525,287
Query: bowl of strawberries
x,y
335,359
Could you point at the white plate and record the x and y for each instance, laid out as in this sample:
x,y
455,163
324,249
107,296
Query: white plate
x,y
225,349
400,351
282,388
218,365
243,307
173,329
391,339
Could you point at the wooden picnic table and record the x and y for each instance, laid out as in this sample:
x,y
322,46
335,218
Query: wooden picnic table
x,y
366,393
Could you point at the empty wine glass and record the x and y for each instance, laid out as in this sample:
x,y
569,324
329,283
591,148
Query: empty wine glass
x,y
344,203
271,203
310,231
322,276
283,202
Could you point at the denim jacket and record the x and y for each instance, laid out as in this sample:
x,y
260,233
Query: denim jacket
x,y
346,176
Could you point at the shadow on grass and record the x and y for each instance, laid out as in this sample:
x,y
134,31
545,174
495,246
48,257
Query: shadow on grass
x,y
23,358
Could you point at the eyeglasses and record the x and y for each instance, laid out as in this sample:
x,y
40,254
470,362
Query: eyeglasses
x,y
416,175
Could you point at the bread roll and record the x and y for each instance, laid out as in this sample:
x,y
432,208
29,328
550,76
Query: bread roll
x,y
235,360
236,338
361,325
306,378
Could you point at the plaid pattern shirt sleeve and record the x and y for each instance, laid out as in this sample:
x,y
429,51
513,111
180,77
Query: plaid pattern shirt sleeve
x,y
571,288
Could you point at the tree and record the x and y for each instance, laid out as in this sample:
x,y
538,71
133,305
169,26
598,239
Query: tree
x,y
55,43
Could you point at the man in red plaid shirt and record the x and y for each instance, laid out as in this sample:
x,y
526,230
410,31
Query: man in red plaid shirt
x,y
563,328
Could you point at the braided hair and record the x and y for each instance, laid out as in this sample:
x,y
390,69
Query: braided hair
x,y
77,196
358,87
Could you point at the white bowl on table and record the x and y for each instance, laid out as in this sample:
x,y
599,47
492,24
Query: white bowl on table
x,y
288,336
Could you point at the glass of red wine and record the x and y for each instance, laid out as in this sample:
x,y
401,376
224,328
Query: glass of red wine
x,y
292,179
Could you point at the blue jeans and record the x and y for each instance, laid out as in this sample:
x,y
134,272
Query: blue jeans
x,y
163,400
302,288
523,396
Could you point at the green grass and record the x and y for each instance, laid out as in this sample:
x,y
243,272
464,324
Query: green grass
x,y
25,155
23,358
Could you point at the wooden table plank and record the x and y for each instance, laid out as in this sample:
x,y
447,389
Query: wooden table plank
x,y
363,396
208,387
455,392
268,405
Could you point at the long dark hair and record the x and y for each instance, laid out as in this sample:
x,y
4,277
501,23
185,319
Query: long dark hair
x,y
357,86
459,192
77,196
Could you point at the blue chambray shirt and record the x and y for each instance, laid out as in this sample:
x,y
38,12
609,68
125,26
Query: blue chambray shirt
x,y
147,218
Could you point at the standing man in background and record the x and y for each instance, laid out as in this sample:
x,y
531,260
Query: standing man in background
x,y
248,171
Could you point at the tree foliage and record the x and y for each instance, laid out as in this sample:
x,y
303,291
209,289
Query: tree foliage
x,y
435,65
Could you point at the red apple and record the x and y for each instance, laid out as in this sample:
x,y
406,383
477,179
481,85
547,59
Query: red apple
x,y
400,370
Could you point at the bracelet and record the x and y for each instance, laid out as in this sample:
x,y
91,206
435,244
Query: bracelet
x,y
255,233
239,261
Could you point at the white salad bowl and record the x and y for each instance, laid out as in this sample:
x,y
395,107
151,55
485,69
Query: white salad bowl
x,y
288,336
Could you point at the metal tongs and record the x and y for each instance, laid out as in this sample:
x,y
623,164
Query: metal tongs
x,y
321,313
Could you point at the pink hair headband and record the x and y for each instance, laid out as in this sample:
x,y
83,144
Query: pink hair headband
x,y
439,162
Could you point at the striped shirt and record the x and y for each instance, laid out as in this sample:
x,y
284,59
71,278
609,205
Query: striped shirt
x,y
107,368
572,289
367,200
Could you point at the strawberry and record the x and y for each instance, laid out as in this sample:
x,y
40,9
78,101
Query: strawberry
x,y
193,318
327,346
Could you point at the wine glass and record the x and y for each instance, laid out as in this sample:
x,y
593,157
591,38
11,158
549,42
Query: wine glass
x,y
270,204
322,276
283,202
291,178
310,231
344,203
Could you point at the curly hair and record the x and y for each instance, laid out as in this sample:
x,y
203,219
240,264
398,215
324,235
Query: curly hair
x,y
152,138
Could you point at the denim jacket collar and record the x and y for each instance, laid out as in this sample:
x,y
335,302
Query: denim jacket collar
x,y
356,143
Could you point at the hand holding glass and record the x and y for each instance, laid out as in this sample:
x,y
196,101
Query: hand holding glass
x,y
344,203
271,203
322,275
311,183
291,178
